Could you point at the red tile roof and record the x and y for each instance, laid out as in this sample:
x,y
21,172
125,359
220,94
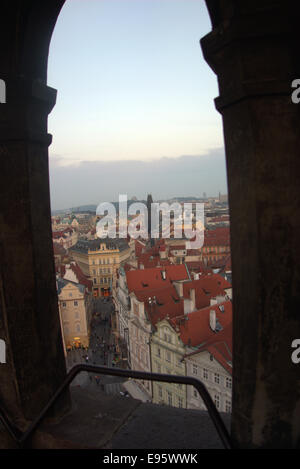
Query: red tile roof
x,y
165,302
198,267
62,233
218,237
128,267
178,247
82,279
59,250
147,260
206,287
193,252
220,346
194,327
152,278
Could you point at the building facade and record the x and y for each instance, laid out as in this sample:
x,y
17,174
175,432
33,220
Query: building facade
x,y
100,260
167,352
75,313
217,379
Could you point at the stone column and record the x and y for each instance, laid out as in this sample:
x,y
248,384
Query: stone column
x,y
253,51
29,319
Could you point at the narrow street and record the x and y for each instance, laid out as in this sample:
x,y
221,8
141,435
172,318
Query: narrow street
x,y
100,352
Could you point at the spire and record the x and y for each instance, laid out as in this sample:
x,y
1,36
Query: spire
x,y
149,203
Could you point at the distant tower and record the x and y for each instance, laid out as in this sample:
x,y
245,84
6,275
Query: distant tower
x,y
149,203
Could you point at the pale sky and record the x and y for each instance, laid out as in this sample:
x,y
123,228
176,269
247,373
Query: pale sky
x,y
132,85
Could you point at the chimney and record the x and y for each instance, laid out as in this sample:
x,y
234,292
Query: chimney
x,y
212,320
179,288
193,299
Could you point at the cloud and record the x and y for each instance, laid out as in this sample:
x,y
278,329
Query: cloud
x,y
75,183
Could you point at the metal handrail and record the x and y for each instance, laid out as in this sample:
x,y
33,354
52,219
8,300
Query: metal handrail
x,y
21,438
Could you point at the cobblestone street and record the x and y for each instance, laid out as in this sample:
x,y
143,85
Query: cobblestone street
x,y
100,352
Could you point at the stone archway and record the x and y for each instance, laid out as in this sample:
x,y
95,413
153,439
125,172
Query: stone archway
x,y
253,50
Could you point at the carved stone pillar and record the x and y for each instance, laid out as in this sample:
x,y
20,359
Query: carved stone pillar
x,y
29,320
253,51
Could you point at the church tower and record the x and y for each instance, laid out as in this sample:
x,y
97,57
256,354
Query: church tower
x,y
149,203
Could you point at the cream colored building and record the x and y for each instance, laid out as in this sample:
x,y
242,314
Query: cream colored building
x,y
100,260
217,379
74,309
167,352
197,344
140,328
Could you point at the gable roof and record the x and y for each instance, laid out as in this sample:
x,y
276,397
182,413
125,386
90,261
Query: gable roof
x,y
82,279
153,277
165,302
194,327
220,347
206,287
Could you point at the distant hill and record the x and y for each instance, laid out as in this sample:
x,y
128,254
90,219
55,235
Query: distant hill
x,y
92,208
81,208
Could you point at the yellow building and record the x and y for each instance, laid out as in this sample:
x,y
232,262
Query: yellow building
x,y
74,309
100,259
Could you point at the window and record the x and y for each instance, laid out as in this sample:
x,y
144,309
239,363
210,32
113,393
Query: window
x,y
64,305
228,383
95,281
77,327
158,352
228,406
76,315
180,402
195,393
217,400
217,378
169,394
75,303
168,357
70,294
195,369
205,373
160,393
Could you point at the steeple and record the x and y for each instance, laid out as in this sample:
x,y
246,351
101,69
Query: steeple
x,y
149,203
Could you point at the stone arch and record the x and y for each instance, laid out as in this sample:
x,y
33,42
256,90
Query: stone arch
x,y
253,50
